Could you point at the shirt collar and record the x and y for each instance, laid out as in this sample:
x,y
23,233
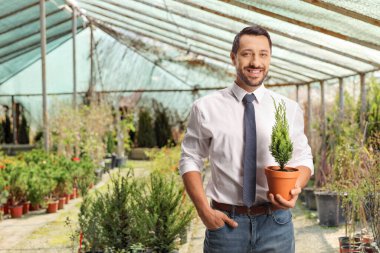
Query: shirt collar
x,y
240,93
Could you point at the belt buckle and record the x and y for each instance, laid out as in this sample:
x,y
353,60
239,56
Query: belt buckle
x,y
249,211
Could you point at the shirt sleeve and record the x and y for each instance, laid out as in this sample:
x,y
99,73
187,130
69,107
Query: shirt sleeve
x,y
195,145
302,155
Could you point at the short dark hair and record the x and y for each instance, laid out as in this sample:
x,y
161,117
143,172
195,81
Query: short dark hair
x,y
250,30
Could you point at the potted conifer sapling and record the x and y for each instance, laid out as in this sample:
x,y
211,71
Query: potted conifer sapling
x,y
281,179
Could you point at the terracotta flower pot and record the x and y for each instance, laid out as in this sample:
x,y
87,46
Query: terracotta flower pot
x,y
16,211
73,195
52,207
25,207
349,248
61,202
6,208
281,182
67,198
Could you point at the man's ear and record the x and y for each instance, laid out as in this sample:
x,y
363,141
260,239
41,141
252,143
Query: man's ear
x,y
233,58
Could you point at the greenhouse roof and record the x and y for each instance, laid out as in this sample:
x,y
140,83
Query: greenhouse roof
x,y
20,32
312,40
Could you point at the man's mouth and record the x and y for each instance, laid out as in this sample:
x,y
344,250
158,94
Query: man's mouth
x,y
252,72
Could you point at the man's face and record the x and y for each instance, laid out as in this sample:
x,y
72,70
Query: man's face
x,y
252,61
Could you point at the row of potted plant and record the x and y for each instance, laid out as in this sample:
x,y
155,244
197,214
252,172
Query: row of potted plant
x,y
347,179
40,179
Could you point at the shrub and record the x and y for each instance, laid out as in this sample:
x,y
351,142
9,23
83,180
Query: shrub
x,y
145,135
106,220
164,212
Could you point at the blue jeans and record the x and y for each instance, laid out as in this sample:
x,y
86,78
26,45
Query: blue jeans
x,y
268,233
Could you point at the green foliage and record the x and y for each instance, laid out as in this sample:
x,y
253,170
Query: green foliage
x,y
281,146
3,192
110,142
136,213
23,131
127,126
8,135
16,177
84,174
373,110
39,184
162,127
145,135
106,220
165,159
164,212
2,140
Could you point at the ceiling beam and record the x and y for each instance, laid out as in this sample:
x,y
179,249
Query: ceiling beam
x,y
344,11
303,24
280,33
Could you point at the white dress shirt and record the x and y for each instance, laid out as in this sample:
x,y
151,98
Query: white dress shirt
x,y
215,130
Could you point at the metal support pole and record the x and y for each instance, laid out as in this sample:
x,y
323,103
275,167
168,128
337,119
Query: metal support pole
x,y
297,93
309,112
74,32
341,98
363,101
119,131
323,118
14,120
43,68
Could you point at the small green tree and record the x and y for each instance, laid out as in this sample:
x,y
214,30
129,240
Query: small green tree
x,y
8,135
145,136
161,126
163,212
281,146
106,220
23,132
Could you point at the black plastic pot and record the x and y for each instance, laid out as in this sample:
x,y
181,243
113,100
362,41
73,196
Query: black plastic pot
x,y
311,203
329,211
114,162
120,161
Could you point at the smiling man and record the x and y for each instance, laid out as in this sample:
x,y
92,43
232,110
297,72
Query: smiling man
x,y
232,127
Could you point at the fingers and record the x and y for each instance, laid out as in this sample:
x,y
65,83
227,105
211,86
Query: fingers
x,y
274,201
295,191
230,222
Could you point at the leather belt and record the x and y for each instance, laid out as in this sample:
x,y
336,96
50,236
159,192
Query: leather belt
x,y
266,208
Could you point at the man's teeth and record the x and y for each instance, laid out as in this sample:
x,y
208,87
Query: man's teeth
x,y
254,71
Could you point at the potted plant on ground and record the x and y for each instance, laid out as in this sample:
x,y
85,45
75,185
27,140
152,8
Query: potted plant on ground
x,y
3,193
281,179
338,177
17,178
39,186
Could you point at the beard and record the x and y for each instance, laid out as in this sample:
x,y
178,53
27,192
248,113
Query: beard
x,y
248,82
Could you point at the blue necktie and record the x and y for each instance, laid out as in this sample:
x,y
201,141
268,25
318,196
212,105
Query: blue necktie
x,y
249,177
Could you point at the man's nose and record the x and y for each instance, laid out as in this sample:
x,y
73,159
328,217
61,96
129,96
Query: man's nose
x,y
254,61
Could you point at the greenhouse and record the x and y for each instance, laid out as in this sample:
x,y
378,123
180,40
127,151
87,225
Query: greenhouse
x,y
101,100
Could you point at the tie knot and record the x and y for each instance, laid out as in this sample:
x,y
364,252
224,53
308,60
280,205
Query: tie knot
x,y
248,98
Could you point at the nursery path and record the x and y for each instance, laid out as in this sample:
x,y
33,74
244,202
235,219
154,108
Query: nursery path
x,y
41,232
310,237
